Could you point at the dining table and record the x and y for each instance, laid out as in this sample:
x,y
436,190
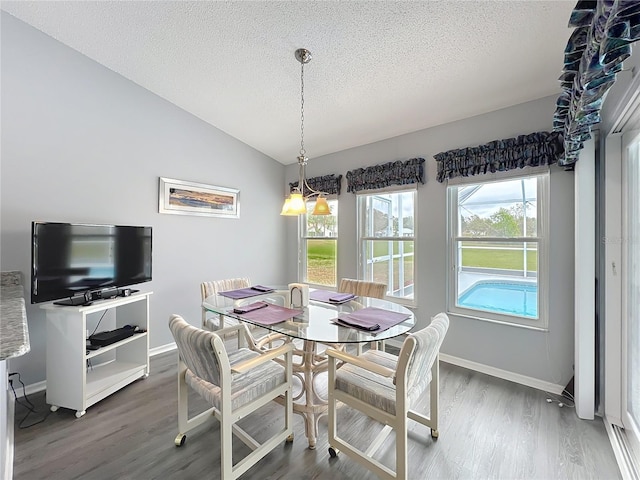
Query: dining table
x,y
312,328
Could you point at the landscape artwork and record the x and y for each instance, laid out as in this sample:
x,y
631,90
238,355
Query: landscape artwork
x,y
190,198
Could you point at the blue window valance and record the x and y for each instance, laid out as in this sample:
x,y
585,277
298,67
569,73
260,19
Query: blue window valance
x,y
329,184
601,41
535,149
386,175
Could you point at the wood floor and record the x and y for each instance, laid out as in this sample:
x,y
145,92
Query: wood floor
x,y
489,429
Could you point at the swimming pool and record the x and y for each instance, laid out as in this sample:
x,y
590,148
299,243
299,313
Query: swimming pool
x,y
511,298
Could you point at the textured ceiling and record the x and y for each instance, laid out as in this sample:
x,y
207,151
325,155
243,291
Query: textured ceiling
x,y
379,69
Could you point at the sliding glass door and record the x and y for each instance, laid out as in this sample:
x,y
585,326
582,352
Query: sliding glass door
x,y
631,288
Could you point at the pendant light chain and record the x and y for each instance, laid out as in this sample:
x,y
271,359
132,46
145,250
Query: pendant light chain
x,y
302,150
295,204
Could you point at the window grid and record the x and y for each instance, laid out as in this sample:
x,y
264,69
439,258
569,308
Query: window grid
x,y
477,286
318,246
387,241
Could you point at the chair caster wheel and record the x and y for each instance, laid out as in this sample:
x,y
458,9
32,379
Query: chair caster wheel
x,y
80,413
54,408
333,453
289,439
434,434
180,439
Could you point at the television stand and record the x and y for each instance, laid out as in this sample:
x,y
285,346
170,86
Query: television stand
x,y
78,377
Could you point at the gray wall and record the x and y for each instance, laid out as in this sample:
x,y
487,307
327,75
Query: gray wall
x,y
546,356
82,144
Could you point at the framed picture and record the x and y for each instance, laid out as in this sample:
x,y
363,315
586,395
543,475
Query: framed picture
x,y
190,198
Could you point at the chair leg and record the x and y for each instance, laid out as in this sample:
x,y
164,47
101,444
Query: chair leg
x,y
401,448
226,447
434,393
183,402
332,403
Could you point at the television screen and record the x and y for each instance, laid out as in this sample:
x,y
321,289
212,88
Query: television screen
x,y
68,260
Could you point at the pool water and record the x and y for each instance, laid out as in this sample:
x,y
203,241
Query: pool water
x,y
511,298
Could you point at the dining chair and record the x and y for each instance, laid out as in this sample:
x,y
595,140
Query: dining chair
x,y
235,384
211,289
366,289
387,388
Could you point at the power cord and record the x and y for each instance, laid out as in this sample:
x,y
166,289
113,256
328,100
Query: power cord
x,y
565,400
26,404
101,317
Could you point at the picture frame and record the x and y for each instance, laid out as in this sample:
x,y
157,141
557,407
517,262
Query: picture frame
x,y
179,197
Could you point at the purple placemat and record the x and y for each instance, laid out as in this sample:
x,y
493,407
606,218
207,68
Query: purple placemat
x,y
368,318
327,296
246,292
251,307
270,314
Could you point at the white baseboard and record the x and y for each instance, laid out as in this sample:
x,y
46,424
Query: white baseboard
x,y
504,374
162,349
478,367
28,389
40,386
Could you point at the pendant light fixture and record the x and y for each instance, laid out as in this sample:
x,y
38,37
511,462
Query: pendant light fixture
x,y
295,204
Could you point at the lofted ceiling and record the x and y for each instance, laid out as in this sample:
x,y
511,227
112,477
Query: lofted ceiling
x,y
379,68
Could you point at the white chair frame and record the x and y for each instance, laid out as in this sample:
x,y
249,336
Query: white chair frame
x,y
208,289
227,416
397,422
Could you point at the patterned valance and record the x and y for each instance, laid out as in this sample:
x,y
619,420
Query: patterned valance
x,y
604,30
385,175
535,149
329,184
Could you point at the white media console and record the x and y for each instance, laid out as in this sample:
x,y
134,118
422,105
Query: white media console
x,y
78,378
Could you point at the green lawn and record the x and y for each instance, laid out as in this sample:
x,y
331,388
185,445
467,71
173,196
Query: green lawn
x,y
502,259
321,266
321,262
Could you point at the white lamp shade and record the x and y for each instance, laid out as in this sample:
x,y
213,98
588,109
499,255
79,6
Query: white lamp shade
x,y
297,205
294,205
286,208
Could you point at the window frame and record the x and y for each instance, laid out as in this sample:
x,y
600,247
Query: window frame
x,y
360,219
629,195
303,239
541,239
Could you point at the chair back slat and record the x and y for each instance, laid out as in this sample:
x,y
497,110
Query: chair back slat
x,y
419,352
360,287
197,349
208,289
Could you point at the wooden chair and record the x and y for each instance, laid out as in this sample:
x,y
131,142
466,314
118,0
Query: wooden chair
x,y
366,289
386,388
235,385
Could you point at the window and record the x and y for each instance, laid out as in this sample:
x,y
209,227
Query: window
x,y
319,246
387,237
498,249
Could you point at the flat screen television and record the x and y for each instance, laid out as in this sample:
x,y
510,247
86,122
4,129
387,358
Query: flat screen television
x,y
77,262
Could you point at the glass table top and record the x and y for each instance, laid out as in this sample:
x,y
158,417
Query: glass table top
x,y
315,321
